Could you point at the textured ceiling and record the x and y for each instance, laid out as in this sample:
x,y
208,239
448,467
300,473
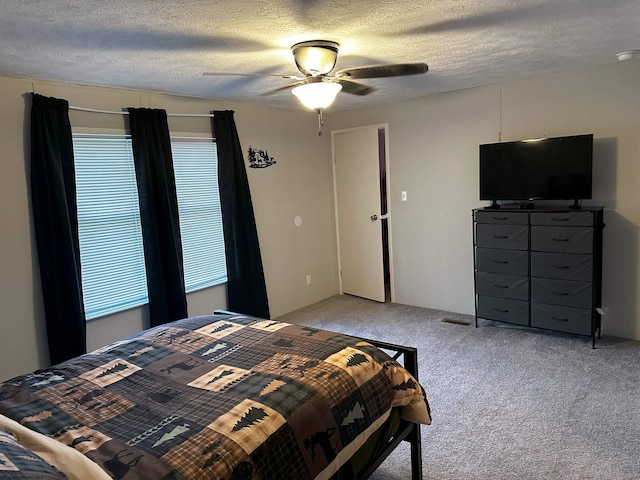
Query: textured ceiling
x,y
166,45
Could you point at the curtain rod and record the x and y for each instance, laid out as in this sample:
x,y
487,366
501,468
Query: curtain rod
x,y
93,110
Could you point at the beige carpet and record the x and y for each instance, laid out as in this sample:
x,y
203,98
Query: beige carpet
x,y
507,402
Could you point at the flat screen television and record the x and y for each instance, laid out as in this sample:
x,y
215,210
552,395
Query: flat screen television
x,y
557,168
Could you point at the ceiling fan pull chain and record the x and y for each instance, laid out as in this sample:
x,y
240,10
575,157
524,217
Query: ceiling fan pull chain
x,y
320,122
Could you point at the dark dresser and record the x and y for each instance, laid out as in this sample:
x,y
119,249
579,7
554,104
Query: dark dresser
x,y
539,267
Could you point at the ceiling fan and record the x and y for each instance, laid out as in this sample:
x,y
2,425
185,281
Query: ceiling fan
x,y
318,86
316,59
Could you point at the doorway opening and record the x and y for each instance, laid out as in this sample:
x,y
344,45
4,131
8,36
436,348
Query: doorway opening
x,y
382,161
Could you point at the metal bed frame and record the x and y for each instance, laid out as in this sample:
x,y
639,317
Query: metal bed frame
x,y
408,431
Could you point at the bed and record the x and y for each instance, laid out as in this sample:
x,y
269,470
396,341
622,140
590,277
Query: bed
x,y
222,396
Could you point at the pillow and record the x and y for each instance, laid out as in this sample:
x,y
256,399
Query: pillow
x,y
20,463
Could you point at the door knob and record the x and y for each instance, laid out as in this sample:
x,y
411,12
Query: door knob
x,y
374,218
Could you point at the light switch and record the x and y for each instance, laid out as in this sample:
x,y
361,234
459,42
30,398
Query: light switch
x,y
404,195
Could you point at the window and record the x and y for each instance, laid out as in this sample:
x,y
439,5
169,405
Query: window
x,y
195,168
111,250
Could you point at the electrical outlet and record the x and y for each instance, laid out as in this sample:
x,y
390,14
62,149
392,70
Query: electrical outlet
x,y
308,279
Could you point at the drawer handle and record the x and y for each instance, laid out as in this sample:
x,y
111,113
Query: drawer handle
x,y
501,310
561,239
500,286
561,294
561,267
560,319
502,237
501,262
559,219
501,218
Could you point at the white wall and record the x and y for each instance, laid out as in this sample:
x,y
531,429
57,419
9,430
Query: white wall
x,y
605,101
22,335
433,143
298,184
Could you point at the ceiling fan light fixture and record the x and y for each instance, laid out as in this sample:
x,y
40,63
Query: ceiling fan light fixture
x,y
627,55
315,57
317,95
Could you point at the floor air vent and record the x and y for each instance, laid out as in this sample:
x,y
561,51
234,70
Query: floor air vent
x,y
455,322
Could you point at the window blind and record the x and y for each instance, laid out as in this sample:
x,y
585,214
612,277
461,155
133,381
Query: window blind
x,y
111,251
195,166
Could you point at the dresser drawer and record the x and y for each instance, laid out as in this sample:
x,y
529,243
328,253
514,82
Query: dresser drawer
x,y
505,218
509,262
561,292
564,319
563,266
510,237
562,239
566,219
503,309
504,286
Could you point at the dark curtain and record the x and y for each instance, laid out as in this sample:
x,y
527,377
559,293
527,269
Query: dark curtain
x,y
53,197
246,289
159,215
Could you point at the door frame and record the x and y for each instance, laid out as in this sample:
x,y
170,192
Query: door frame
x,y
378,126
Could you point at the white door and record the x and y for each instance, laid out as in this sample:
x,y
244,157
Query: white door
x,y
357,183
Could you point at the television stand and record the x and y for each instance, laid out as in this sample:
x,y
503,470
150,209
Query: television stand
x,y
494,205
540,268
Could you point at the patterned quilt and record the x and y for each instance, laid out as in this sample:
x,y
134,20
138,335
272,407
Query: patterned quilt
x,y
217,397
18,462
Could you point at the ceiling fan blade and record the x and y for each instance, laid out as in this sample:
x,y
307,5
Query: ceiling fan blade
x,y
353,87
285,87
377,71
